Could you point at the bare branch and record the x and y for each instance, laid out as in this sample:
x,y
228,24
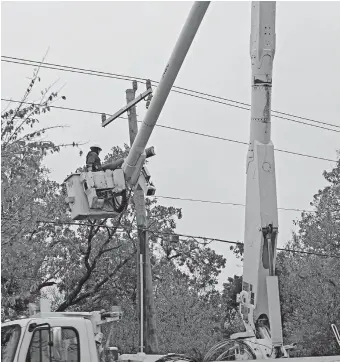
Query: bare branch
x,y
110,249
103,281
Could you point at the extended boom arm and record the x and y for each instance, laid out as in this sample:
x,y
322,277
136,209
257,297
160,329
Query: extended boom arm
x,y
136,157
259,299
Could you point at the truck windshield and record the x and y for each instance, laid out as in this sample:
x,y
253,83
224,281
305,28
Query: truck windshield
x,y
9,341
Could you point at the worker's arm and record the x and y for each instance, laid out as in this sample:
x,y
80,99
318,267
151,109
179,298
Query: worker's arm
x,y
113,165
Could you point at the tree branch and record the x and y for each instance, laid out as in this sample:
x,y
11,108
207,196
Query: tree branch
x,y
102,282
109,249
88,251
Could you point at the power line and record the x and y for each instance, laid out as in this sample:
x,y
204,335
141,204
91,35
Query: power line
x,y
179,130
248,109
192,237
127,77
77,224
59,107
241,142
239,243
65,69
176,89
223,203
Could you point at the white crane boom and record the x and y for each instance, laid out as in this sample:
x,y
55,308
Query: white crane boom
x,y
131,165
259,299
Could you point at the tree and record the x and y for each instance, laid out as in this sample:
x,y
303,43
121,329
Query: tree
x,y
104,248
27,196
87,262
232,319
88,265
309,285
188,321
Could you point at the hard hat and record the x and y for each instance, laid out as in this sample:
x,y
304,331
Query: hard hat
x,y
96,146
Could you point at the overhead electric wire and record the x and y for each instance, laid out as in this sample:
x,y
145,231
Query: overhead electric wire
x,y
248,109
77,224
223,203
59,107
127,77
123,77
178,129
180,90
157,233
239,243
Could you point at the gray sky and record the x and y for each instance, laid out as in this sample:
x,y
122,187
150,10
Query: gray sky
x,y
137,38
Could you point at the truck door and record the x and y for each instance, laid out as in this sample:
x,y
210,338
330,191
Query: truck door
x,y
73,346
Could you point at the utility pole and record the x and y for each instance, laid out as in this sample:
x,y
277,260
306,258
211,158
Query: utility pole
x,y
146,311
147,333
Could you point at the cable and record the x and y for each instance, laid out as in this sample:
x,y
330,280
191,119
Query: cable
x,y
176,89
230,344
248,109
239,243
64,69
59,107
223,203
179,130
156,233
176,357
77,224
126,77
114,76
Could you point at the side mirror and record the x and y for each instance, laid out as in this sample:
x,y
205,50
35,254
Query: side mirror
x,y
111,354
56,339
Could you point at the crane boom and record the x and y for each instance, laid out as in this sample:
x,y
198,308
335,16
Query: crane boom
x,y
259,299
131,166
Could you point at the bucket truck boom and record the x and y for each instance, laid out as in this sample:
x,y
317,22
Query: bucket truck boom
x,y
102,194
259,299
136,156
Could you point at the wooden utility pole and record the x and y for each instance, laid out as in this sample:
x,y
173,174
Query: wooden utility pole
x,y
146,309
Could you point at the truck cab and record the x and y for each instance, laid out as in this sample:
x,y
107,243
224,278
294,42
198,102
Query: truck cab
x,y
30,340
55,336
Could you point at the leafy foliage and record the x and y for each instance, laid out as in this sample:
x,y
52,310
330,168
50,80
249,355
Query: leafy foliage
x,y
91,266
188,321
309,285
31,253
87,264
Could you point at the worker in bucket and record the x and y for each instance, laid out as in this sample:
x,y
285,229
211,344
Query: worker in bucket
x,y
93,162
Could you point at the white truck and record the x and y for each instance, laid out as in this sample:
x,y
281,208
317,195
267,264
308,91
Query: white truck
x,y
57,336
74,337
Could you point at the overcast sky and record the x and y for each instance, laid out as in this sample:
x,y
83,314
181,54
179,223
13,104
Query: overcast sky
x,y
136,39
